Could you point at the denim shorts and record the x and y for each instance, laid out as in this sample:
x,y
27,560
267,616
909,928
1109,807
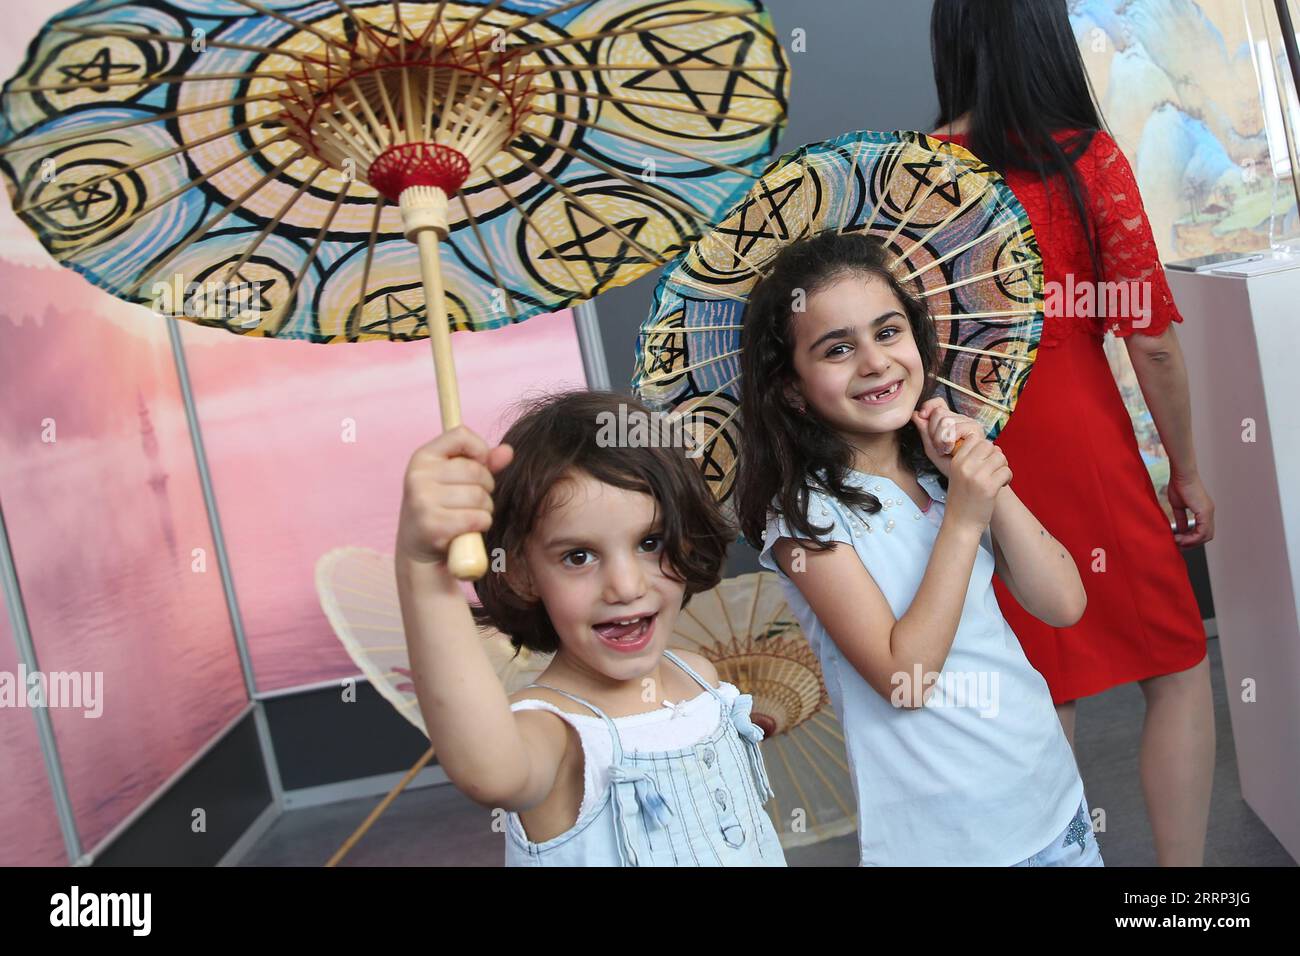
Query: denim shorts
x,y
1076,845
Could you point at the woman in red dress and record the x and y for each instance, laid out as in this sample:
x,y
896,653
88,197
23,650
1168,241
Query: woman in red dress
x,y
1013,90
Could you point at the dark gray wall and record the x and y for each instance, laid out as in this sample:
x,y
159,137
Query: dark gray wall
x,y
866,66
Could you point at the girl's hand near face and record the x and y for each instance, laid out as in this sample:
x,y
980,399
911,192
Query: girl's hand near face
x,y
977,473
940,429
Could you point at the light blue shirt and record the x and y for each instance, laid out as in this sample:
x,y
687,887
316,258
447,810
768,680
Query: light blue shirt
x,y
700,805
983,774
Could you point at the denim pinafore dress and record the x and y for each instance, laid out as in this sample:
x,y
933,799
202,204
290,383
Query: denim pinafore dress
x,y
698,806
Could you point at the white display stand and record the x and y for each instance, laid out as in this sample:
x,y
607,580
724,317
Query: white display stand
x,y
1241,341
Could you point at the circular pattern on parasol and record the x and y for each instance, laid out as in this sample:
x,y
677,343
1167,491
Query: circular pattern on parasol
x,y
959,238
225,161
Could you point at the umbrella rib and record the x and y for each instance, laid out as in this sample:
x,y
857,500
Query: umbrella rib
x,y
581,204
469,24
983,237
623,134
464,124
643,67
794,781
754,270
202,230
838,760
184,41
296,24
395,126
565,90
444,116
370,113
853,167
762,207
914,206
726,421
487,256
767,625
1013,267
625,101
292,294
628,31
821,774
408,108
365,269
160,80
1024,359
168,197
948,218
976,395
528,224
720,357
550,14
753,610
369,150
429,75
730,468
707,630
680,205
247,254
962,316
398,25
360,23
148,161
18,147
826,726
670,329
434,21
679,280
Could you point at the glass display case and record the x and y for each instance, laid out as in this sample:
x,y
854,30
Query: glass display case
x,y
1270,28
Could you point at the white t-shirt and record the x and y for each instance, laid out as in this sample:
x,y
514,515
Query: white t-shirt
x,y
983,774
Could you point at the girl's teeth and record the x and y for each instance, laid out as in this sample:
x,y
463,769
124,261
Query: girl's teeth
x,y
621,630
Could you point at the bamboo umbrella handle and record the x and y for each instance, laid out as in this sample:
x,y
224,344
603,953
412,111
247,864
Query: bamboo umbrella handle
x,y
467,556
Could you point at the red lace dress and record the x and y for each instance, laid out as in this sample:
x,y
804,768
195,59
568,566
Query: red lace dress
x,y
1075,457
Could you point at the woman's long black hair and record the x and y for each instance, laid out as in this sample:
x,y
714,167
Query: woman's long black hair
x,y
1015,67
788,448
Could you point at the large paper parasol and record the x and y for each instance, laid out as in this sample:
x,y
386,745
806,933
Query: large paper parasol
x,y
743,626
959,236
261,166
357,588
748,632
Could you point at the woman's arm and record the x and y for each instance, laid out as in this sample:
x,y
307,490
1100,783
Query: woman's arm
x,y
1036,568
1129,255
1162,376
496,757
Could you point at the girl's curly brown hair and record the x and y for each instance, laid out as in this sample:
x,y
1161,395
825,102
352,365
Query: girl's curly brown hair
x,y
559,435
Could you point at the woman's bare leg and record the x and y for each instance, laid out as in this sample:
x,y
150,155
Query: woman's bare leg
x,y
1177,762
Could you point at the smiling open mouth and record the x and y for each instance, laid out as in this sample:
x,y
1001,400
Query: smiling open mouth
x,y
882,395
627,633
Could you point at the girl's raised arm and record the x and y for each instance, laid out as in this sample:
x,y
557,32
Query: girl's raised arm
x,y
885,650
496,757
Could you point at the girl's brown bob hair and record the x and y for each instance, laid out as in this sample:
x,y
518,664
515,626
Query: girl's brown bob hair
x,y
563,434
